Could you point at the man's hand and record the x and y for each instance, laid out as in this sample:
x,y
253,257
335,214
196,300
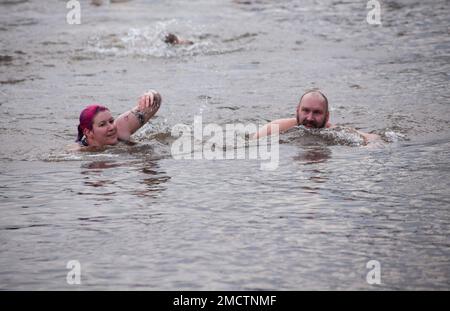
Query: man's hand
x,y
371,139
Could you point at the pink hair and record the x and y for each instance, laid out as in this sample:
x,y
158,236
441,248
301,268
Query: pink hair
x,y
87,118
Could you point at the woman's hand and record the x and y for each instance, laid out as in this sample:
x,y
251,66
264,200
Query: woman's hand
x,y
149,103
129,122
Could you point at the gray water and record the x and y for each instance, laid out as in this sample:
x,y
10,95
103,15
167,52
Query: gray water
x,y
135,218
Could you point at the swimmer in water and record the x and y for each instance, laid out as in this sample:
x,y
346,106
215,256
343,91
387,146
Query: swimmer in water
x,y
98,129
175,40
312,112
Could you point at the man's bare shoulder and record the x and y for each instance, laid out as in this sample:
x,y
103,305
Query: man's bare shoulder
x,y
282,124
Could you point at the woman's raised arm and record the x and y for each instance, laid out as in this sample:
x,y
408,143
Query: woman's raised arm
x,y
130,121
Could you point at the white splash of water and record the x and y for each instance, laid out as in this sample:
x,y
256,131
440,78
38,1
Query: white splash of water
x,y
392,137
149,41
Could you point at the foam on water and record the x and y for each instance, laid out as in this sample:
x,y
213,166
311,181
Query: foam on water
x,y
392,136
330,136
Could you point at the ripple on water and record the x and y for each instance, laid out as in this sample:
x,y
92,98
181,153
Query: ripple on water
x,y
149,146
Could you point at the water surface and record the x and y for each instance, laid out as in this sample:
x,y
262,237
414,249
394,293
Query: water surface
x,y
136,218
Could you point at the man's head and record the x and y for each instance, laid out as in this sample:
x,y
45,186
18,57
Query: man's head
x,y
312,110
97,125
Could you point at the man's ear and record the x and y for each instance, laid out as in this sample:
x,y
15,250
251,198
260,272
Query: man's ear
x,y
327,119
296,114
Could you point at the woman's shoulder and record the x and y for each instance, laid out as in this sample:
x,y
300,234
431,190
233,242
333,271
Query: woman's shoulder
x,y
73,147
81,148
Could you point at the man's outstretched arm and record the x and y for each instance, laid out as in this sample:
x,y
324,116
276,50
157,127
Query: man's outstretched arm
x,y
283,124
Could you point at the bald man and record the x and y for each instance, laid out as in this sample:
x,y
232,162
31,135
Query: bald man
x,y
312,112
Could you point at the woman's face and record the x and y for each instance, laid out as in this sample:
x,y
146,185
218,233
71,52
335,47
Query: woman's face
x,y
104,130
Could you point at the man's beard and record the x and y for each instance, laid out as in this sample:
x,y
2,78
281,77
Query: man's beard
x,y
313,124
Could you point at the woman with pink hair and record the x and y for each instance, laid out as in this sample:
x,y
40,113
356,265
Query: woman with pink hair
x,y
98,128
